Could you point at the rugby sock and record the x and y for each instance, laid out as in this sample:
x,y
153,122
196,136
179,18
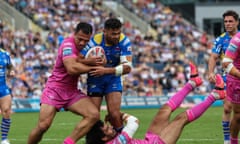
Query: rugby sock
x,y
68,140
199,109
226,130
175,101
5,126
234,140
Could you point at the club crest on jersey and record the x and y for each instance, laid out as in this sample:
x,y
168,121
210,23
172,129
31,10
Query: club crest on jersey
x,y
67,51
129,48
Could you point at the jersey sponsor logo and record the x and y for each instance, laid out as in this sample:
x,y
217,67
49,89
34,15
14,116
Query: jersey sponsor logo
x,y
232,47
67,51
67,44
226,41
117,49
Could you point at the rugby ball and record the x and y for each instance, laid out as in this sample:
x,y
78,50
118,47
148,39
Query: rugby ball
x,y
96,51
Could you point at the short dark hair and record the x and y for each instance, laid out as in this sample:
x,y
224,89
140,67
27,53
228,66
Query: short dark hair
x,y
86,28
112,23
95,135
231,13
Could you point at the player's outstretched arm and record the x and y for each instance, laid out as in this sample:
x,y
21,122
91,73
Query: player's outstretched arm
x,y
132,124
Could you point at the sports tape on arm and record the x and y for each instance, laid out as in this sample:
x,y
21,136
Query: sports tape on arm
x,y
131,126
119,68
230,65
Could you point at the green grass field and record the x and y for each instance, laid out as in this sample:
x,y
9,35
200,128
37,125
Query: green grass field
x,y
206,130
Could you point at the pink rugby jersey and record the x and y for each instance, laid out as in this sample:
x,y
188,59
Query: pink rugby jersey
x,y
233,51
125,137
59,77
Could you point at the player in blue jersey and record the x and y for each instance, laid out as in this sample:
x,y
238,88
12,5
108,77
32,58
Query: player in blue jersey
x,y
220,45
106,81
5,95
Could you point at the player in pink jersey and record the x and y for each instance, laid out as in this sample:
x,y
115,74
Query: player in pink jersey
x,y
61,89
231,64
161,130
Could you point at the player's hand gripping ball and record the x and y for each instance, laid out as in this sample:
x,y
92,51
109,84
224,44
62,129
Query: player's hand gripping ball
x,y
97,51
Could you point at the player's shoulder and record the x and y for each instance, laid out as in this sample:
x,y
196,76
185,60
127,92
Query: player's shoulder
x,y
68,42
223,34
236,38
124,40
221,37
238,34
4,51
98,38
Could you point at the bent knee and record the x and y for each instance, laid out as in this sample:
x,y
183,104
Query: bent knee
x,y
94,115
227,109
182,118
43,126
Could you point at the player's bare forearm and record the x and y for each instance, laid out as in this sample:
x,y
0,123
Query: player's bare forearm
x,y
93,61
73,67
212,63
235,72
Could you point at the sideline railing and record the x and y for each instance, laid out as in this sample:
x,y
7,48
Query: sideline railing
x,y
128,102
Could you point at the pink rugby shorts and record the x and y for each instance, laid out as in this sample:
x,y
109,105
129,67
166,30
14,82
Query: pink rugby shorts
x,y
60,97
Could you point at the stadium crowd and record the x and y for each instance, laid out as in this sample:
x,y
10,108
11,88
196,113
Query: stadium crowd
x,y
160,64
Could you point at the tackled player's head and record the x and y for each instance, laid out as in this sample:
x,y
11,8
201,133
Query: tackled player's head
x,y
95,135
82,34
100,133
112,31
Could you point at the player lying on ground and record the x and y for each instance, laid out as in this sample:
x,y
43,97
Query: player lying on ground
x,y
161,130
